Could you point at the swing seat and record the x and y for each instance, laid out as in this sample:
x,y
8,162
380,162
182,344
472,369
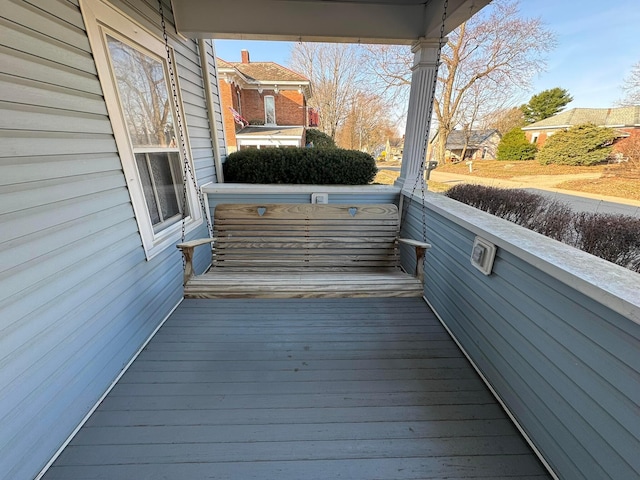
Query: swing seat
x,y
304,251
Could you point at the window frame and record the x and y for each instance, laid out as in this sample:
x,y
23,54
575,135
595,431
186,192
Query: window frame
x,y
102,19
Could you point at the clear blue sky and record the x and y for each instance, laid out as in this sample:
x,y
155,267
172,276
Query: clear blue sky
x,y
597,43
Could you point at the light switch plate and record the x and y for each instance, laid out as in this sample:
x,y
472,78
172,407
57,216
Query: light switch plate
x,y
483,255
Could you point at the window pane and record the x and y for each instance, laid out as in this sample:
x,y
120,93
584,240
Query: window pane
x,y
166,177
161,176
269,110
147,188
144,95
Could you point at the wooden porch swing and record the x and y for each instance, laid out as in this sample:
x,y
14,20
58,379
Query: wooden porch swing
x,y
301,250
304,251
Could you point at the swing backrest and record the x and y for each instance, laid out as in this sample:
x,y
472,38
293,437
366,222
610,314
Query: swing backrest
x,y
291,237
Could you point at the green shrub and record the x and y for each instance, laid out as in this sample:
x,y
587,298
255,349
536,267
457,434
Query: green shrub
x,y
615,238
583,144
319,139
314,166
514,146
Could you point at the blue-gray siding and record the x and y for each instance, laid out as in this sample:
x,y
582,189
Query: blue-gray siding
x,y
77,296
566,366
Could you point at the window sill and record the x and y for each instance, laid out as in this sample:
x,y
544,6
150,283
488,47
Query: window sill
x,y
170,237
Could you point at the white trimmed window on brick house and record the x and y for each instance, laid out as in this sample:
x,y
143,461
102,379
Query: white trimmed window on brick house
x,y
269,110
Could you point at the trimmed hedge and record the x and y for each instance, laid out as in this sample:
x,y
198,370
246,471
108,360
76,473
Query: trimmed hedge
x,y
615,238
319,139
314,166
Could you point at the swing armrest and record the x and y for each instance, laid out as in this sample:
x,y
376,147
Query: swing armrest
x,y
187,249
195,243
415,243
421,248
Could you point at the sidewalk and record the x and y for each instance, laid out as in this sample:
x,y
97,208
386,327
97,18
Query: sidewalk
x,y
540,182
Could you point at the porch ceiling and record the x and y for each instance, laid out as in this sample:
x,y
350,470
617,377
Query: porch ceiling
x,y
347,21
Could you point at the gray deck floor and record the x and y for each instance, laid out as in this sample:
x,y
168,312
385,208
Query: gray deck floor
x,y
299,389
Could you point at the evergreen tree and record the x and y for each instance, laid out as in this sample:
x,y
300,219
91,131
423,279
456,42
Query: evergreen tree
x,y
583,144
514,146
546,104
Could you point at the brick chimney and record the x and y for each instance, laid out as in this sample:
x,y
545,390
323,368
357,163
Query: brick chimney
x,y
245,56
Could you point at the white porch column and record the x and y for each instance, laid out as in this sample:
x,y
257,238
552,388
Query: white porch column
x,y
420,99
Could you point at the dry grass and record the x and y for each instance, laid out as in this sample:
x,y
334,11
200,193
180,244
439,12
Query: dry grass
x,y
507,170
388,177
613,182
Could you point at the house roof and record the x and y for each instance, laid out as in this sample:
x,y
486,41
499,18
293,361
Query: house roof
x,y
457,139
271,132
602,117
264,71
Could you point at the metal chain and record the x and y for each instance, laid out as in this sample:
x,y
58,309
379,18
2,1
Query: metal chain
x,y
421,173
187,171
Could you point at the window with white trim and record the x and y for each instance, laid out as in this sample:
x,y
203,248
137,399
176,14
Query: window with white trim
x,y
269,110
132,67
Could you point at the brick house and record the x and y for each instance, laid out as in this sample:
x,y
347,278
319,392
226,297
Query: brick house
x,y
625,120
264,104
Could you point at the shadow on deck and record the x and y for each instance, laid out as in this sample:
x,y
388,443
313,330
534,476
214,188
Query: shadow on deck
x,y
299,389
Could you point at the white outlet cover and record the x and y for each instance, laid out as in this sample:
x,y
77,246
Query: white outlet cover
x,y
319,198
483,255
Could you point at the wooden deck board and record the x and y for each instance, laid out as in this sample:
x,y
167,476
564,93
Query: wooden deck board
x,y
224,282
301,388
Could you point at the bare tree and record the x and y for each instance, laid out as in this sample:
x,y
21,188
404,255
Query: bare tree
x,y
504,119
495,51
631,87
335,72
367,125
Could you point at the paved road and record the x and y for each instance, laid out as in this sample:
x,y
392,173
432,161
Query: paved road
x,y
583,204
578,201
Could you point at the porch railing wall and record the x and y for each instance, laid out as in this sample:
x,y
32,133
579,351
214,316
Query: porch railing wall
x,y
555,332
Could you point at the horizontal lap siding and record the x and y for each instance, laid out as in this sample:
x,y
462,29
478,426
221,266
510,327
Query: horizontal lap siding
x,y
565,365
77,296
